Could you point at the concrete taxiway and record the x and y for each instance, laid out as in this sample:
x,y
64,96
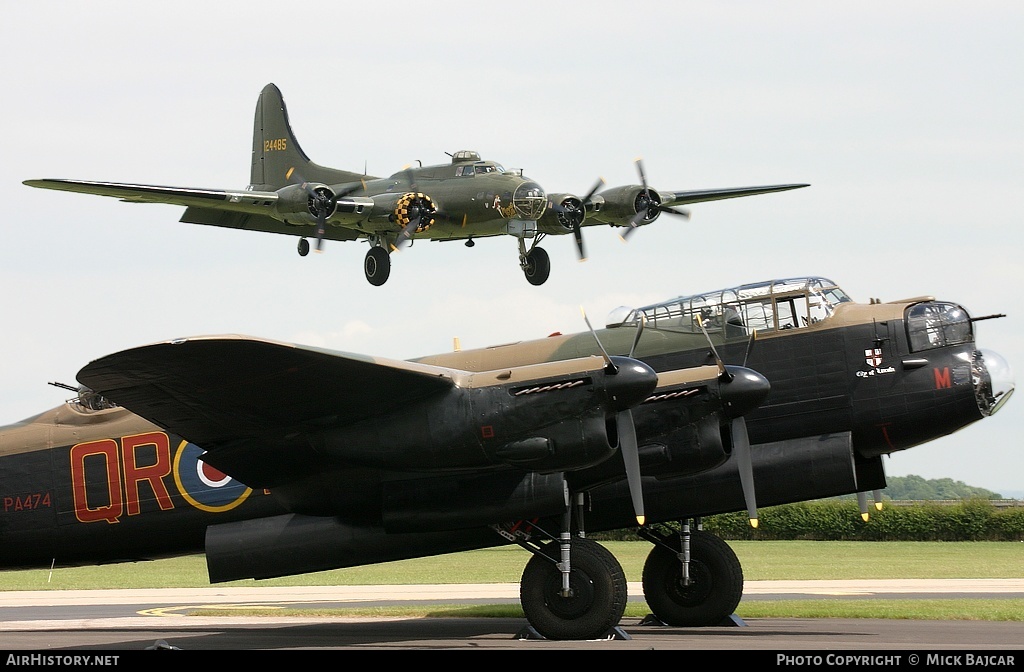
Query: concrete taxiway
x,y
136,619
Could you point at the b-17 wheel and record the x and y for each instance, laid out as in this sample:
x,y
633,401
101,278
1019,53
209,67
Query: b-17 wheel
x,y
303,247
714,590
377,266
597,597
537,267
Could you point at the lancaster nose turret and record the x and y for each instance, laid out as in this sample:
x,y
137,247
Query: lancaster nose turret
x,y
993,380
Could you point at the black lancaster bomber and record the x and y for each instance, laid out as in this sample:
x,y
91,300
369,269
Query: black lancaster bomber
x,y
276,459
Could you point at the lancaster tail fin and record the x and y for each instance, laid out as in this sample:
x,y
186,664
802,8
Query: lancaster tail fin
x,y
277,158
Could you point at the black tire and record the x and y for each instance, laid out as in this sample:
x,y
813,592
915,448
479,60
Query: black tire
x,y
598,586
377,266
303,247
716,582
538,266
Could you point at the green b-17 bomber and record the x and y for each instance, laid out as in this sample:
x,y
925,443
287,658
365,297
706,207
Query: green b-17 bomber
x,y
466,199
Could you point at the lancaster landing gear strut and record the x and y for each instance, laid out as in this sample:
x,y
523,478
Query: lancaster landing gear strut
x,y
572,587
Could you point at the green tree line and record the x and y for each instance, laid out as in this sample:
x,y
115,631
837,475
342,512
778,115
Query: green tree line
x,y
840,520
929,510
913,487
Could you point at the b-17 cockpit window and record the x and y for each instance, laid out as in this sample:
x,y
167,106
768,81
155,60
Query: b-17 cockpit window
x,y
766,306
935,324
478,169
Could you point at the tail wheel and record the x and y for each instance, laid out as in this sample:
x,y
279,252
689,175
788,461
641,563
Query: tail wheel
x,y
537,266
714,589
377,266
597,596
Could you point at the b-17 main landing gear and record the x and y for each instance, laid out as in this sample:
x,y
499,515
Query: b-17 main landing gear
x,y
535,263
377,266
691,579
303,247
537,266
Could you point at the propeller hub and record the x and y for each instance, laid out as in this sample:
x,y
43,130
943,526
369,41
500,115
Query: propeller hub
x,y
743,391
628,382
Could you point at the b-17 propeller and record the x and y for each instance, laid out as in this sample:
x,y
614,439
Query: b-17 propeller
x,y
648,206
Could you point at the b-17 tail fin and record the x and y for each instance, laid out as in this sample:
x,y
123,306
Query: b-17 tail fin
x,y
277,158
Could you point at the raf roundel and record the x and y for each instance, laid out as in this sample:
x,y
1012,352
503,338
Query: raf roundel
x,y
204,487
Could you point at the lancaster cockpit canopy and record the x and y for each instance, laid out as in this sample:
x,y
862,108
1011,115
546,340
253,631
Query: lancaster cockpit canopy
x,y
772,305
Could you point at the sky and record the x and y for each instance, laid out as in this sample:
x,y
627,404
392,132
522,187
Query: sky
x,y
905,119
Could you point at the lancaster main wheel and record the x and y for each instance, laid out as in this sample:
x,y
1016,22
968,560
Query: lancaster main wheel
x,y
377,266
714,589
538,266
597,596
303,247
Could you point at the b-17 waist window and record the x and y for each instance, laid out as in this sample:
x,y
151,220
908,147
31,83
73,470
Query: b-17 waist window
x,y
936,324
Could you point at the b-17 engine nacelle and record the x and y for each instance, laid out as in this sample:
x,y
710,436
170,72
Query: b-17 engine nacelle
x,y
298,203
621,204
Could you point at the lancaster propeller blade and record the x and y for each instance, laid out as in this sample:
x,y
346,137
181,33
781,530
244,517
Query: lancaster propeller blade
x,y
862,504
750,345
740,439
631,460
628,444
641,323
723,372
604,353
741,449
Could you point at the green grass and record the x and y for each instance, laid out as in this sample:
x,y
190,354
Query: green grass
x,y
908,609
761,560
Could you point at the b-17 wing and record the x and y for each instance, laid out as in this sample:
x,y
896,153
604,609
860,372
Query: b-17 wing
x,y
702,195
235,200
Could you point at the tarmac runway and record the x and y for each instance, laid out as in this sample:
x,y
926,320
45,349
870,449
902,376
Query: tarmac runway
x,y
132,620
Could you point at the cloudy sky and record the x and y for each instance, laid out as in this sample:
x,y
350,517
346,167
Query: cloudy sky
x,y
904,117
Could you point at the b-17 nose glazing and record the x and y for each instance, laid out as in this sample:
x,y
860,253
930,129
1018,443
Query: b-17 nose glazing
x,y
530,201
